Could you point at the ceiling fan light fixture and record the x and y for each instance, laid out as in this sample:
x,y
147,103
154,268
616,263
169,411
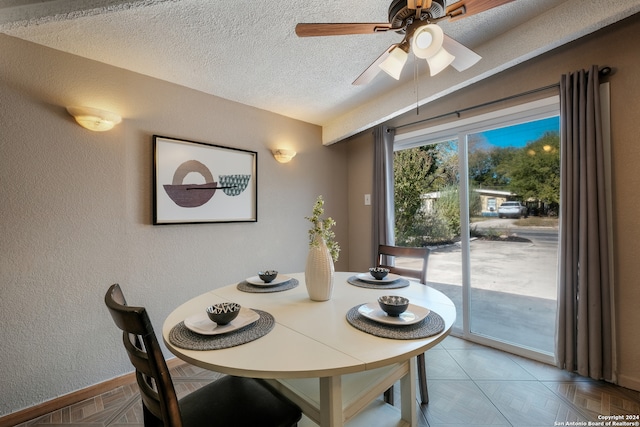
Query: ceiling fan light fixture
x,y
439,61
395,62
427,41
417,20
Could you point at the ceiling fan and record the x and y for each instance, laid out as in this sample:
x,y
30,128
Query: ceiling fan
x,y
417,20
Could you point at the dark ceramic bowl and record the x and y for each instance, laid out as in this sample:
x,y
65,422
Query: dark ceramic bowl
x,y
393,305
379,273
224,312
267,275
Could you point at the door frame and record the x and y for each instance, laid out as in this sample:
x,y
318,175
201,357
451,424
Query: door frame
x,y
459,130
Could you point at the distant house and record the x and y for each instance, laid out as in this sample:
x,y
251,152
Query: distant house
x,y
489,200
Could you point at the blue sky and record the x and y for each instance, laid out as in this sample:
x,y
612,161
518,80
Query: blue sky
x,y
521,134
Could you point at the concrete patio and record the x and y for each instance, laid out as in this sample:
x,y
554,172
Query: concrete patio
x,y
513,289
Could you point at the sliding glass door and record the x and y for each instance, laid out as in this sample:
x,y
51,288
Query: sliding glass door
x,y
513,197
484,197
427,211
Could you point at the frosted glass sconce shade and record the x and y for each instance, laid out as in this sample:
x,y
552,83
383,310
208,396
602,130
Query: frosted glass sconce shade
x,y
283,156
94,119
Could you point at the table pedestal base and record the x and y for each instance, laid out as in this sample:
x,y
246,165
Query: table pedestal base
x,y
350,399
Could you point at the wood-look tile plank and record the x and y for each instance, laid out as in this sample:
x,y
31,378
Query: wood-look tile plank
x,y
597,397
119,396
130,417
455,343
545,372
456,402
529,403
489,364
190,371
440,365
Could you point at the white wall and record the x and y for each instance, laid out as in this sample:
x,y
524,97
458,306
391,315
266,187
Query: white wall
x,y
76,211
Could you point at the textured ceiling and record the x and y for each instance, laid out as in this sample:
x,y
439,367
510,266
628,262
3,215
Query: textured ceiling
x,y
247,51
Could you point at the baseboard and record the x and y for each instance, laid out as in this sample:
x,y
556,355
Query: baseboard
x,y
44,408
629,382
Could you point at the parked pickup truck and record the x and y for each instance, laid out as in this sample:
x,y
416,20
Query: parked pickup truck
x,y
512,210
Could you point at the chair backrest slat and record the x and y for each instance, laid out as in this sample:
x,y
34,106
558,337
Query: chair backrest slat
x,y
404,252
156,388
150,398
138,358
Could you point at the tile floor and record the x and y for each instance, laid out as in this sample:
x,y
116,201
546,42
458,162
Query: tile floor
x,y
469,385
473,385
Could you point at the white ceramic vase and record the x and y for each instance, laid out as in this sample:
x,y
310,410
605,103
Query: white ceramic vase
x,y
318,272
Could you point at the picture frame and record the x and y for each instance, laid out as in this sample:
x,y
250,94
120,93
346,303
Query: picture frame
x,y
198,182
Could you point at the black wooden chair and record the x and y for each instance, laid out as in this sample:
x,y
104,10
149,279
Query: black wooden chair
x,y
422,255
228,401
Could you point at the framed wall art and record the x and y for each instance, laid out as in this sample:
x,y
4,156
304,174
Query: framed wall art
x,y
196,182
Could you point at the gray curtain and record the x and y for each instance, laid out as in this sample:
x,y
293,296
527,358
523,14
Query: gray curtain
x,y
584,336
383,209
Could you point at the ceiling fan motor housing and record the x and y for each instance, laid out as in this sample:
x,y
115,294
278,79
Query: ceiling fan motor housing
x,y
399,13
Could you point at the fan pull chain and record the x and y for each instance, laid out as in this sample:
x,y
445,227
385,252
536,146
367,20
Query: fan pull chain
x,y
415,79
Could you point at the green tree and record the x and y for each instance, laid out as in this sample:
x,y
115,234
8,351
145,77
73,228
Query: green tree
x,y
534,171
419,171
413,170
531,172
447,210
485,163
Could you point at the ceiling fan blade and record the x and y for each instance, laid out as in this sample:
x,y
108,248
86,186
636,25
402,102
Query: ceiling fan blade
x,y
465,57
373,69
337,29
465,8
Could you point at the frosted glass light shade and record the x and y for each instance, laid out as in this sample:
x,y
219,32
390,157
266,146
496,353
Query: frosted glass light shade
x,y
283,156
439,61
394,63
94,119
427,41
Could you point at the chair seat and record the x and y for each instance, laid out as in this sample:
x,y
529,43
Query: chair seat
x,y
231,408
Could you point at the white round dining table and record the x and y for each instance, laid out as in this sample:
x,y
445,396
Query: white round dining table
x,y
314,356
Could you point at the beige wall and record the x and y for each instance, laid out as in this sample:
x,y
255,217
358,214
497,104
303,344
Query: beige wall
x,y
613,47
360,182
76,210
76,205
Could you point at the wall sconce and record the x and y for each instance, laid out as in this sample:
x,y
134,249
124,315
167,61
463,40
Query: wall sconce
x,y
283,156
94,119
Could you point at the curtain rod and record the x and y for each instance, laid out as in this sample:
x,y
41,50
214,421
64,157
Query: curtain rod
x,y
604,71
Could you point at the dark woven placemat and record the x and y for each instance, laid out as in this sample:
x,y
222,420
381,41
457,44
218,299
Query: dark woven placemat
x,y
245,286
431,325
400,283
183,337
